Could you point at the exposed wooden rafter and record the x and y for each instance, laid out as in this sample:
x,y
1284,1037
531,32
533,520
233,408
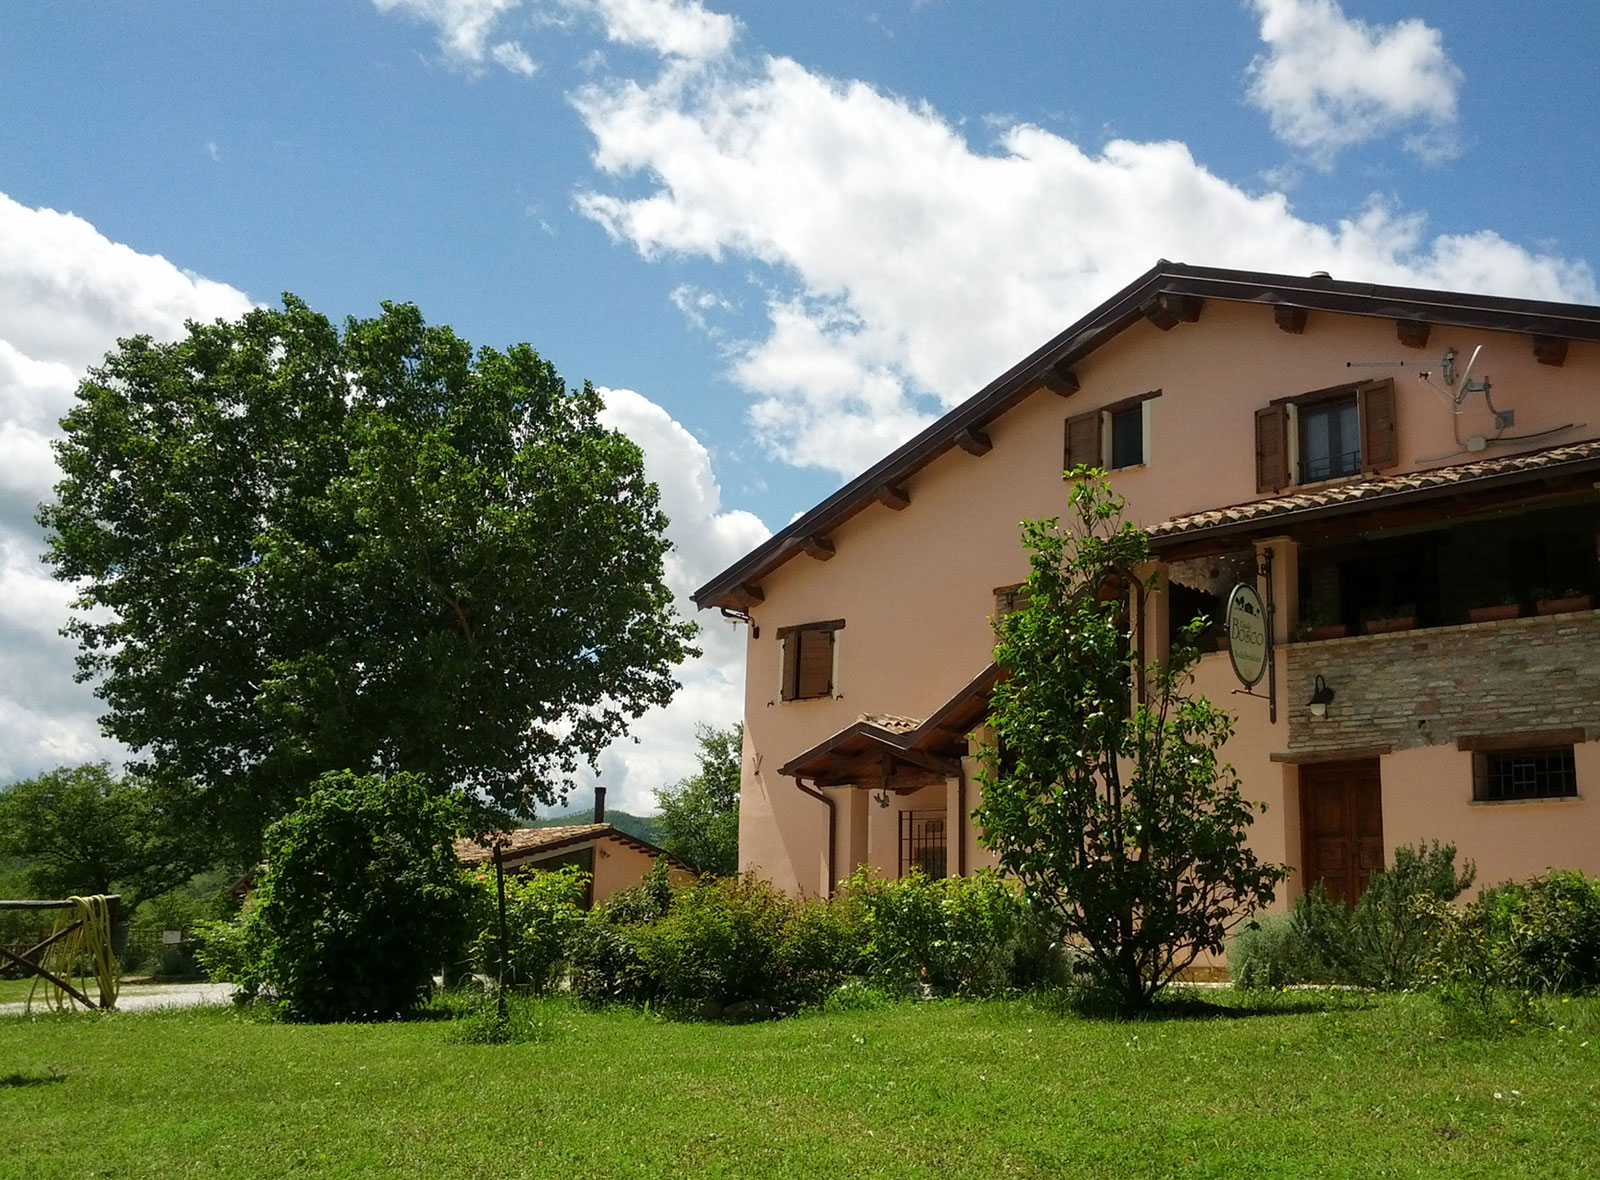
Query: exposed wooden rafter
x,y
1291,319
819,547
1412,333
893,497
1062,382
747,595
1550,350
1167,310
973,441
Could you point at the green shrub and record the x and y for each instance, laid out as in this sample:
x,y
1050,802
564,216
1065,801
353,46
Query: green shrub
x,y
1532,937
720,945
1383,940
543,913
360,901
945,936
1272,951
607,967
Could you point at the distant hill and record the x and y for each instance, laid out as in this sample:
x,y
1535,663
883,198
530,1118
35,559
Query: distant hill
x,y
641,827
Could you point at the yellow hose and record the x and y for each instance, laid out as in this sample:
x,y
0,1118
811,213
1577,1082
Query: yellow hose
x,y
90,942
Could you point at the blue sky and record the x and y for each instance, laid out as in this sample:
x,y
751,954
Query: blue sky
x,y
785,234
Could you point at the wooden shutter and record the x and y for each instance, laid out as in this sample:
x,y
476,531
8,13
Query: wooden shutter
x,y
1379,447
1083,440
791,665
1272,450
815,677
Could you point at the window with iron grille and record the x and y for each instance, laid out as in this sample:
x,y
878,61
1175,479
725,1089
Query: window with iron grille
x,y
922,843
1546,772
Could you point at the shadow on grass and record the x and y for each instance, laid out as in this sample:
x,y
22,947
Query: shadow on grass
x,y
1089,1006
10,1080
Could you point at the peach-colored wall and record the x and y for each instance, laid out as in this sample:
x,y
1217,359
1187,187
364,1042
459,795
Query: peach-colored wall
x,y
914,587
619,866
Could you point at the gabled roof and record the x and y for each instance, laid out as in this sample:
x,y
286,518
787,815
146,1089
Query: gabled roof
x,y
1168,294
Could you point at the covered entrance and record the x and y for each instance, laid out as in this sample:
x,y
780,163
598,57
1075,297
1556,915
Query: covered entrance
x,y
1341,818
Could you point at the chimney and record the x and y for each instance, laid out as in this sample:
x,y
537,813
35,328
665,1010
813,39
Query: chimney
x,y
599,805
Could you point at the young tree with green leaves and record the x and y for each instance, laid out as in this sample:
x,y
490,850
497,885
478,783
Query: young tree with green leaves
x,y
1110,804
83,830
300,549
700,815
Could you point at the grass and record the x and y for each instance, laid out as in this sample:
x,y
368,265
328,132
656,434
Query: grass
x,y
1289,1086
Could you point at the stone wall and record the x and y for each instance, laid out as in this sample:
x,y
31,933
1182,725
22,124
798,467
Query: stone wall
x,y
1424,688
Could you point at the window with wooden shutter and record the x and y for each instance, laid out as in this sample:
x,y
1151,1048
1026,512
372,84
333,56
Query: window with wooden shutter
x,y
1083,440
1379,447
1272,451
808,660
1008,599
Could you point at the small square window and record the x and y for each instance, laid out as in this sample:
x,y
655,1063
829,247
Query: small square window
x,y
808,660
1127,436
1545,772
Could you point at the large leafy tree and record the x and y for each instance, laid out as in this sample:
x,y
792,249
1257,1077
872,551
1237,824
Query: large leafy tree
x,y
700,815
1104,794
299,549
83,830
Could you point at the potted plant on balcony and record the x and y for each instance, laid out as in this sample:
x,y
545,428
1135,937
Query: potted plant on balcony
x,y
1509,607
1322,624
1383,619
1557,602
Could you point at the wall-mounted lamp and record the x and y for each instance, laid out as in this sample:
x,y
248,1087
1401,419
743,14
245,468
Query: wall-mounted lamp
x,y
1321,698
882,797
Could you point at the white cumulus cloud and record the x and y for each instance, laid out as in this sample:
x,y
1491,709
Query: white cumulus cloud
x,y
902,266
706,538
66,294
1328,81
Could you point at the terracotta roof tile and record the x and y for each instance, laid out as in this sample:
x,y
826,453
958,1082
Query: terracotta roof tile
x,y
891,722
1379,488
524,840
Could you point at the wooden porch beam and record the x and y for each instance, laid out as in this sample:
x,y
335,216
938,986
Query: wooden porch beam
x,y
818,547
1167,310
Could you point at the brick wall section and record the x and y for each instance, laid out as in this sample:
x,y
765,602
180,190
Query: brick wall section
x,y
1422,688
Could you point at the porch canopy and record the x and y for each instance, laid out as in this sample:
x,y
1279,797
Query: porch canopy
x,y
898,754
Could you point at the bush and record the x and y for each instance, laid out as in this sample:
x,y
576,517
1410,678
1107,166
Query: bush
x,y
945,936
1384,939
543,913
1273,952
361,900
1532,937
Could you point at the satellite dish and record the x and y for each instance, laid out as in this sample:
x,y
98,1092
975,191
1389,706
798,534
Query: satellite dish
x,y
1465,386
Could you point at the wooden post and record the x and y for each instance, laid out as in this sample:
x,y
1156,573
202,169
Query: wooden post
x,y
500,892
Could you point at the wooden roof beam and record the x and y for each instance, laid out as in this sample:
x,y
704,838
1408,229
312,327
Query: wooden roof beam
x,y
1167,310
1290,319
894,497
974,441
1550,350
818,547
1058,380
1412,333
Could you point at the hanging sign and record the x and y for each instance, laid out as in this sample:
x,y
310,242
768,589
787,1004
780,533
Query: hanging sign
x,y
1247,634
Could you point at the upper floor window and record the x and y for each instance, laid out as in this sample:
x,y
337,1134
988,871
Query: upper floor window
x,y
1113,437
808,659
1326,434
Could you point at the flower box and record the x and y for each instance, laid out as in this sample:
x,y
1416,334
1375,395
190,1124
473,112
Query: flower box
x,y
1558,606
1385,626
1494,614
1327,631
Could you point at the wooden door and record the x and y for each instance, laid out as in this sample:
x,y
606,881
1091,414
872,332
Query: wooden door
x,y
1341,821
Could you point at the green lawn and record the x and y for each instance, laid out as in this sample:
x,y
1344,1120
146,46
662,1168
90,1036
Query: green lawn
x,y
946,1090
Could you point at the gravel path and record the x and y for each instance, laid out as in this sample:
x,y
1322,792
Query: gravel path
x,y
137,997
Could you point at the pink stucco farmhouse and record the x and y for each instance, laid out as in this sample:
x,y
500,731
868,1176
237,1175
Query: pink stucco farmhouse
x,y
1407,478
